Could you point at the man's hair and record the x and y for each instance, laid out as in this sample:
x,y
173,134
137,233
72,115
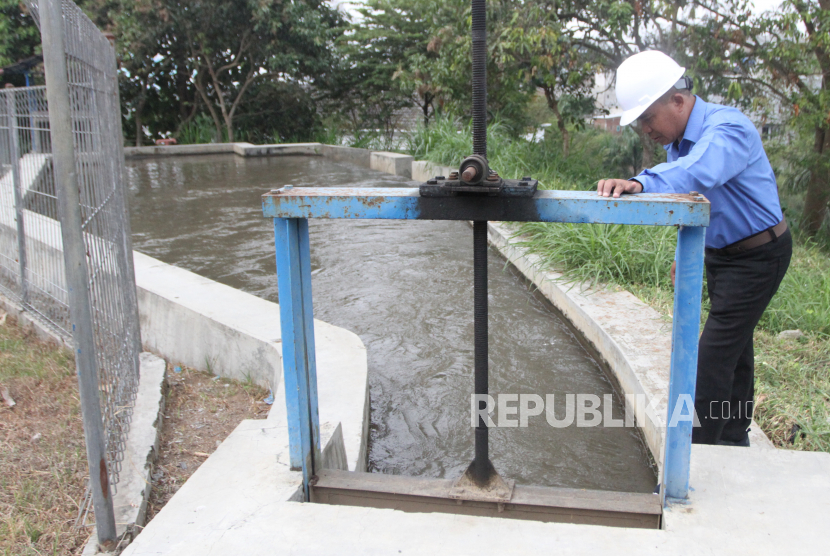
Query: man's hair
x,y
673,91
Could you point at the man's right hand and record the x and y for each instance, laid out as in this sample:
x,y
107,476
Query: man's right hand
x,y
672,271
617,187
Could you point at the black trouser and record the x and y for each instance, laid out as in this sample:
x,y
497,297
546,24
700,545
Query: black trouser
x,y
740,288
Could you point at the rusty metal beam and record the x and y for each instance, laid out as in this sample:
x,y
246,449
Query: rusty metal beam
x,y
650,209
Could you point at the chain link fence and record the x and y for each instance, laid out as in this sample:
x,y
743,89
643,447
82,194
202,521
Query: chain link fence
x,y
32,268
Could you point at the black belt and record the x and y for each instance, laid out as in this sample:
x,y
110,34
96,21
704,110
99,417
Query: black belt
x,y
753,241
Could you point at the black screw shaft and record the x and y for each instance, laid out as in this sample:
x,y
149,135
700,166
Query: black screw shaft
x,y
482,457
479,13
482,465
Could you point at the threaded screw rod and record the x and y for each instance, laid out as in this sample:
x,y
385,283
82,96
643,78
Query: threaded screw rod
x,y
482,456
479,13
482,465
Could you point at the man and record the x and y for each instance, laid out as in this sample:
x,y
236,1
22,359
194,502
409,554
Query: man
x,y
714,150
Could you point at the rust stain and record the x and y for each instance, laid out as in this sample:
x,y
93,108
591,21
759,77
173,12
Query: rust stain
x,y
104,477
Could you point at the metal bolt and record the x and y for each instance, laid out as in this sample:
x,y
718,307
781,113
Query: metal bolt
x,y
432,182
288,187
526,178
440,178
469,174
694,193
454,175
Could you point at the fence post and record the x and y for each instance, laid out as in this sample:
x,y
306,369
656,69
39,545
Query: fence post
x,y
77,277
14,149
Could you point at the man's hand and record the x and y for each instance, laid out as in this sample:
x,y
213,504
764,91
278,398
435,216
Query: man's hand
x,y
617,187
672,271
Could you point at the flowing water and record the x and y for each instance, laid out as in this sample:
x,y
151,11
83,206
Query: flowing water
x,y
405,287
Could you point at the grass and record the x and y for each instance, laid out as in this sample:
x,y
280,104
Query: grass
x,y
792,377
42,456
43,465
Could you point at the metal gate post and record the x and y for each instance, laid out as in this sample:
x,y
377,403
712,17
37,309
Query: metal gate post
x,y
685,335
14,147
77,274
298,357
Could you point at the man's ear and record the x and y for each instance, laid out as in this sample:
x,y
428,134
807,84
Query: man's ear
x,y
678,100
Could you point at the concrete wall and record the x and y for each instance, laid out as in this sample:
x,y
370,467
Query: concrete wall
x,y
392,163
301,149
351,155
205,325
423,170
179,150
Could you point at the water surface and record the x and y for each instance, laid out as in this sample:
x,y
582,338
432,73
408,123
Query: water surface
x,y
405,287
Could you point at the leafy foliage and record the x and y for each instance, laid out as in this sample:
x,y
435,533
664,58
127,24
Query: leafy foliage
x,y
19,37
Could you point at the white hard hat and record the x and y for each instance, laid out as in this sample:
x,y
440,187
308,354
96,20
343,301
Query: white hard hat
x,y
642,79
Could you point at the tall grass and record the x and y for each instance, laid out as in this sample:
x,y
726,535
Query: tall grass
x,y
803,300
199,130
604,253
595,155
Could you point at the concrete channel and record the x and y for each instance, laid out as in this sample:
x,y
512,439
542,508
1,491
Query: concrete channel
x,y
243,499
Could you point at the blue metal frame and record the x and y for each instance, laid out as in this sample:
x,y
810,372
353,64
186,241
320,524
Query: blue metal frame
x,y
290,209
298,353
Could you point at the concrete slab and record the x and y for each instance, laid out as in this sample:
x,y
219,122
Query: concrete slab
x,y
282,149
351,155
130,500
423,170
212,327
239,502
392,163
179,150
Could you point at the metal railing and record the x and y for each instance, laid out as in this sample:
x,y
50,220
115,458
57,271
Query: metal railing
x,y
65,246
31,251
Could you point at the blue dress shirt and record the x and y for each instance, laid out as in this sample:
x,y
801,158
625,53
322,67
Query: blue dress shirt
x,y
721,156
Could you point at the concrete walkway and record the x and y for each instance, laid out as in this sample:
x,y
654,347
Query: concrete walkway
x,y
239,502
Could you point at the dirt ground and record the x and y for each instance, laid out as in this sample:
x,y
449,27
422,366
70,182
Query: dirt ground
x,y
200,412
43,464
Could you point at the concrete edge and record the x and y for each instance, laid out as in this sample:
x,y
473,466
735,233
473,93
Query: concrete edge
x,y
26,321
209,326
603,317
142,448
389,162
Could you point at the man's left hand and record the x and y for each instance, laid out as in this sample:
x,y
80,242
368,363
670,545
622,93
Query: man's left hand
x,y
618,187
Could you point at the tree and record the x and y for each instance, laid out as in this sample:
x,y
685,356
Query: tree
x,y
774,59
450,69
153,65
367,86
19,36
540,40
611,31
233,44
